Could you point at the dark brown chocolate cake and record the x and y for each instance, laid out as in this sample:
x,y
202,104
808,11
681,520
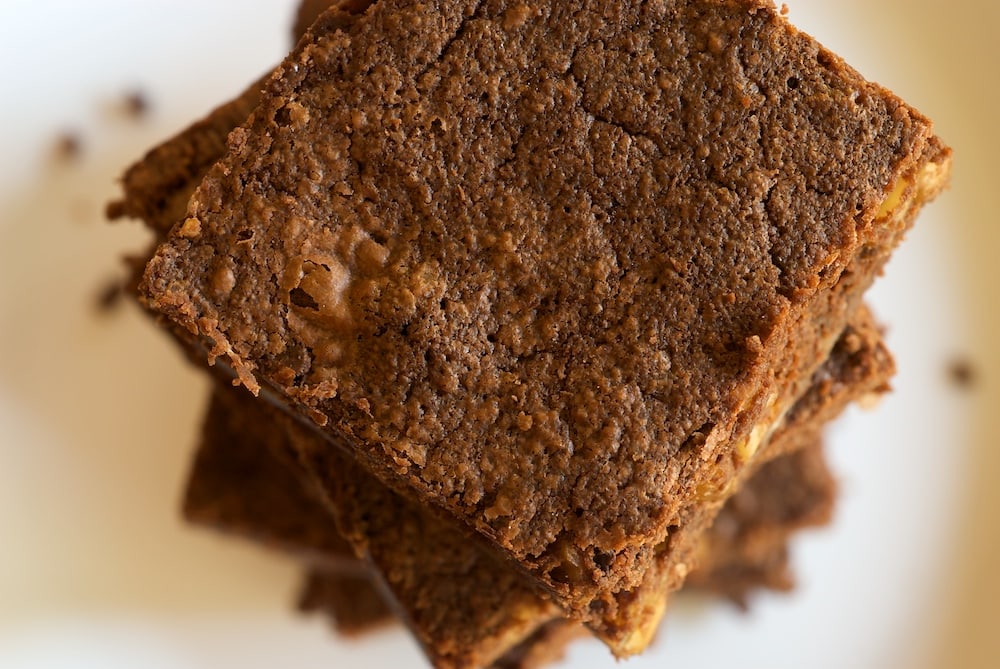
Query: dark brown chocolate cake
x,y
511,257
445,231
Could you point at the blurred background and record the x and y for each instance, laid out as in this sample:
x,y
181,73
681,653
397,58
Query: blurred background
x,y
98,413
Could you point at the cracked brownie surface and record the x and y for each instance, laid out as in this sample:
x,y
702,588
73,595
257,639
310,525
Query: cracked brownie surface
x,y
540,265
238,485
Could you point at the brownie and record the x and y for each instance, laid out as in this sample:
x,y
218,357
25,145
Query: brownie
x,y
697,437
419,556
309,10
240,483
443,231
440,249
465,606
547,644
859,360
158,187
546,346
355,606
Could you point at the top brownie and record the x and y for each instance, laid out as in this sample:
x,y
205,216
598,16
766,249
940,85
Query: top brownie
x,y
544,266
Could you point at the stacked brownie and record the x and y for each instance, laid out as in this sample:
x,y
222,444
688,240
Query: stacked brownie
x,y
539,308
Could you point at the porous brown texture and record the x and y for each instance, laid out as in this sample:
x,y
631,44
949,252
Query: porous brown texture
x,y
744,550
859,359
460,620
157,188
465,606
241,440
238,450
859,365
445,230
309,10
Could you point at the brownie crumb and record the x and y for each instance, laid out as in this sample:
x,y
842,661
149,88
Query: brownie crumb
x,y
962,373
110,296
68,146
136,104
115,210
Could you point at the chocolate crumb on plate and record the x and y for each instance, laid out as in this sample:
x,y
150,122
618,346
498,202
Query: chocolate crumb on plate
x,y
68,146
110,295
136,104
962,373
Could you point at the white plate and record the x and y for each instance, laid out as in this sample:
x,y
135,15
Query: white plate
x,y
98,413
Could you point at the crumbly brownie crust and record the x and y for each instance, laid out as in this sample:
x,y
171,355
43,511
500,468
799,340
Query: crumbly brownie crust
x,y
157,187
309,10
355,607
858,357
233,431
464,606
418,555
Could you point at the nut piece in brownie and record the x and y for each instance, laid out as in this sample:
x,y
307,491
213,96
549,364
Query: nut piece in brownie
x,y
445,231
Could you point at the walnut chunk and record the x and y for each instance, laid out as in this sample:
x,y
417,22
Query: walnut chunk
x,y
190,228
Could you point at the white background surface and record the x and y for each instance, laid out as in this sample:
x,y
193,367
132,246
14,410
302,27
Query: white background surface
x,y
98,413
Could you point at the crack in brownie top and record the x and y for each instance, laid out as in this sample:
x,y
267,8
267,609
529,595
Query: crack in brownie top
x,y
525,257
